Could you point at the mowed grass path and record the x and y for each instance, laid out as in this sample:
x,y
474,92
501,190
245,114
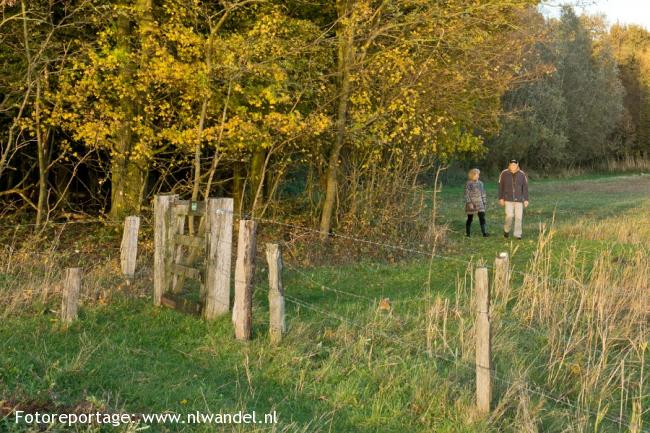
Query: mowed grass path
x,y
564,203
344,366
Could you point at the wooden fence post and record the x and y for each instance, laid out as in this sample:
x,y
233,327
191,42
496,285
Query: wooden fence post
x,y
501,275
176,226
162,203
219,215
277,325
483,342
70,301
244,273
129,247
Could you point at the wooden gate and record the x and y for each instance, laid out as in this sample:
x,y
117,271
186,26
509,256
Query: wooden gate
x,y
192,257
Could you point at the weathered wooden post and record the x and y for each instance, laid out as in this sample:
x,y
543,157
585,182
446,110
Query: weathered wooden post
x,y
244,273
501,275
483,342
219,232
129,247
277,325
176,226
162,253
70,301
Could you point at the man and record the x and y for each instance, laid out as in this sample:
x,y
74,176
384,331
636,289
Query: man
x,y
513,194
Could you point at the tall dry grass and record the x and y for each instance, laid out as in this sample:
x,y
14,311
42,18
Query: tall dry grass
x,y
569,327
571,334
31,272
596,319
624,164
628,164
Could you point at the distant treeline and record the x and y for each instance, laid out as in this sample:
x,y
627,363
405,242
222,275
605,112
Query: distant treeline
x,y
327,110
591,104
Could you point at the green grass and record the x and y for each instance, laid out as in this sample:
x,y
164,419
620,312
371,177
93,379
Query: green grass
x,y
343,366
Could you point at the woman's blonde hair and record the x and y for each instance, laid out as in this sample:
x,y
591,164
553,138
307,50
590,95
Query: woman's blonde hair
x,y
473,173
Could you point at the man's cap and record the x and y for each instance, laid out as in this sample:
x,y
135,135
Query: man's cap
x,y
513,161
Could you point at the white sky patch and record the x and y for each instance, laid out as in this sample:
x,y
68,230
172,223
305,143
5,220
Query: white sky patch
x,y
615,11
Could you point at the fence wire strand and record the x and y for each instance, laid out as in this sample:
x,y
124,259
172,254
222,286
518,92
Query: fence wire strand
x,y
468,365
534,389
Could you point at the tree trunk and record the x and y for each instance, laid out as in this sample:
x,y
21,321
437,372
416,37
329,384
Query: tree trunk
x,y
197,151
345,58
126,185
61,178
197,160
256,174
42,185
237,187
127,176
42,159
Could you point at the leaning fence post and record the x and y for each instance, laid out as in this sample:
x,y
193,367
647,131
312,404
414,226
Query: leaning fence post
x,y
129,247
219,232
162,202
244,272
70,301
483,342
277,326
501,275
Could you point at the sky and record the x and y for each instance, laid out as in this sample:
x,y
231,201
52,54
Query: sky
x,y
623,11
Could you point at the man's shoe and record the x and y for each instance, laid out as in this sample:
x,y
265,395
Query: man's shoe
x,y
486,235
506,234
518,238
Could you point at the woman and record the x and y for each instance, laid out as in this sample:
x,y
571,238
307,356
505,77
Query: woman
x,y
475,201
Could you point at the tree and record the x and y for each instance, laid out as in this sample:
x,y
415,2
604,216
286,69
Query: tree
x,y
35,45
415,79
631,48
591,88
533,125
103,101
568,110
156,93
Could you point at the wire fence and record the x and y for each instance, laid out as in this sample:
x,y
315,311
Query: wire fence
x,y
415,347
545,279
465,364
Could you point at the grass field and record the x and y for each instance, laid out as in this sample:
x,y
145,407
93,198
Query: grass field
x,y
573,327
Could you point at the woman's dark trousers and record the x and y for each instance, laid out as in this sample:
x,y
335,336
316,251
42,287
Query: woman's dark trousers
x,y
481,218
